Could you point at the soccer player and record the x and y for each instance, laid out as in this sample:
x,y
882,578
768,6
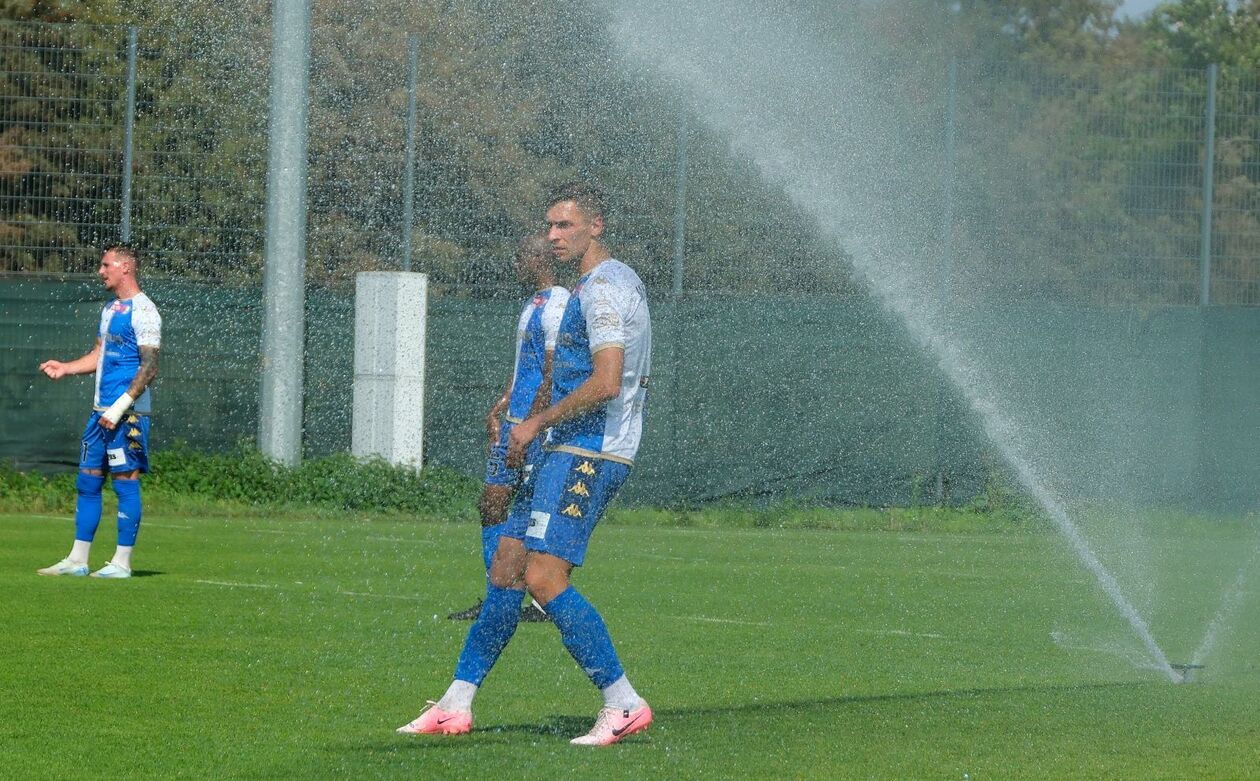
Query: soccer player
x,y
599,388
116,438
528,391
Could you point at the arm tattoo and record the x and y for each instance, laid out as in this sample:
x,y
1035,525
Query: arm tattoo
x,y
147,371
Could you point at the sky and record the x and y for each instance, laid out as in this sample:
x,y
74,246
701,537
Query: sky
x,y
1138,7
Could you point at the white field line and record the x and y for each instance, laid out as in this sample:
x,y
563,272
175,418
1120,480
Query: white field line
x,y
146,524
236,584
232,584
398,539
378,596
901,633
273,531
709,620
1128,654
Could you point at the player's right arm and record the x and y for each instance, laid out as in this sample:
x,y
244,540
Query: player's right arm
x,y
86,364
497,412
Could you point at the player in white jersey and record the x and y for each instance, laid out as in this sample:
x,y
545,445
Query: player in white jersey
x,y
116,438
599,389
528,390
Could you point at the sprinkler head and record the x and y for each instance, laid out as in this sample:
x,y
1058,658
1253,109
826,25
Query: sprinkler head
x,y
1188,672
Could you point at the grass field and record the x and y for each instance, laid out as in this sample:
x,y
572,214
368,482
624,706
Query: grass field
x,y
290,648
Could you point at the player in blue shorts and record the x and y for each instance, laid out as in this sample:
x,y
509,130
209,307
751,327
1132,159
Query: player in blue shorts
x,y
528,391
116,438
599,389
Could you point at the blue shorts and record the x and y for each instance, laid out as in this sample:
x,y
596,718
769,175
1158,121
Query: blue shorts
x,y
497,471
125,449
568,495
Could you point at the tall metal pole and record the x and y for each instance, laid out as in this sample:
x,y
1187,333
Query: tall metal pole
x,y
946,280
129,129
680,204
951,120
680,250
284,273
409,177
1209,168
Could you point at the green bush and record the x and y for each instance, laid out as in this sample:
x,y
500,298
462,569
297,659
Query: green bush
x,y
245,476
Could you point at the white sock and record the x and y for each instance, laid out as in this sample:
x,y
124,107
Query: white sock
x,y
79,552
621,695
122,556
458,697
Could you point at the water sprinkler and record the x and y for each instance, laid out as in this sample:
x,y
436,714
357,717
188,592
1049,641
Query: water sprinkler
x,y
1188,672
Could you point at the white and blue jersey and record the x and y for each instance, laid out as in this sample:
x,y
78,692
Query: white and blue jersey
x,y
609,308
126,325
536,333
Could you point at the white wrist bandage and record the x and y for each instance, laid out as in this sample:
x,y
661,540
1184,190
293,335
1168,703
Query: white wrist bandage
x,y
116,409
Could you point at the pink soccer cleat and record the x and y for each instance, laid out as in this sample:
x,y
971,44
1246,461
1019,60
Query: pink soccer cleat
x,y
435,721
613,724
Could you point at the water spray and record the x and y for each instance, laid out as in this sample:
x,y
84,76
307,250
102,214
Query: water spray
x,y
1188,672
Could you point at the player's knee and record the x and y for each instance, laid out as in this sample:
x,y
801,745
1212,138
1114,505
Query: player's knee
x,y
545,583
89,482
507,569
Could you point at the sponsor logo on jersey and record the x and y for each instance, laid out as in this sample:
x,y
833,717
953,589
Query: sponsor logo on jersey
x,y
540,299
538,522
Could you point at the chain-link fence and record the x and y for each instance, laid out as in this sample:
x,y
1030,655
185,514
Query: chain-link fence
x,y
1082,188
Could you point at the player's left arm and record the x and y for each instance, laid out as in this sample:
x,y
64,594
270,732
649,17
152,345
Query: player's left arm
x,y
146,373
603,384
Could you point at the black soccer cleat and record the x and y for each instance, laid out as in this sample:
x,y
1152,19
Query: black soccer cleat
x,y
532,613
468,614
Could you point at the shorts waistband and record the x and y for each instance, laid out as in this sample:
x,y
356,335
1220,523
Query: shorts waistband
x,y
581,451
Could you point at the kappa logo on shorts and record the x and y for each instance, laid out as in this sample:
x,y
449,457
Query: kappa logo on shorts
x,y
580,489
133,419
573,511
134,433
135,446
585,468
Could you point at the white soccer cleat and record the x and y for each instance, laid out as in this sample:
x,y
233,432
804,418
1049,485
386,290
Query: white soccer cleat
x,y
111,570
66,567
613,724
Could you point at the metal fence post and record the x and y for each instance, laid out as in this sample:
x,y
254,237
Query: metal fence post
x,y
129,128
946,279
680,250
409,176
284,270
680,204
1209,169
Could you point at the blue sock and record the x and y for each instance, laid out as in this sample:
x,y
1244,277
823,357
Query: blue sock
x,y
87,509
490,541
586,637
490,633
128,510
